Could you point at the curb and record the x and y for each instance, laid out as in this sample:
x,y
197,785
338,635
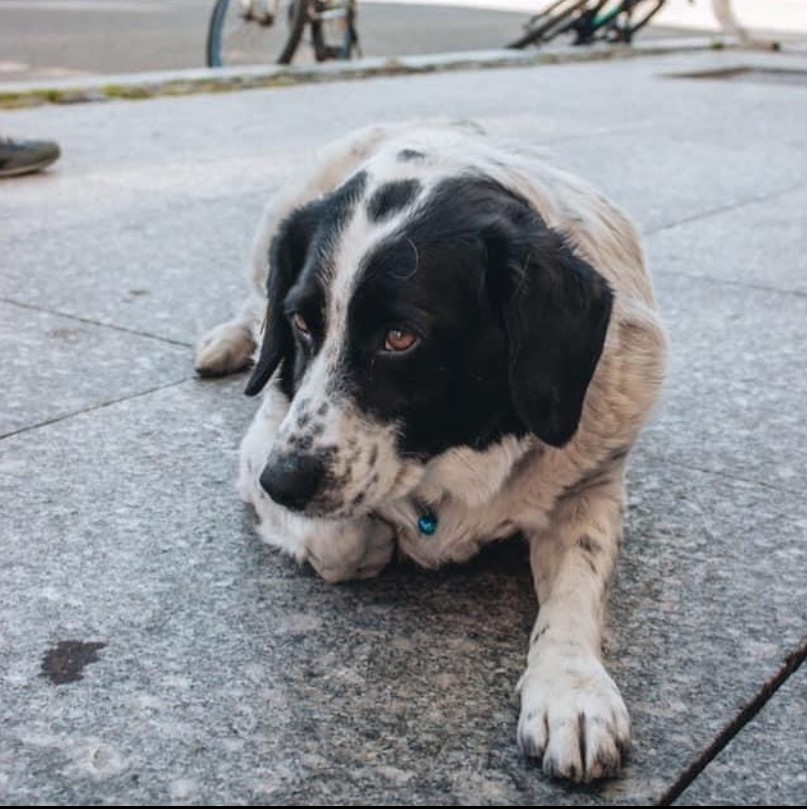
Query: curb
x,y
154,84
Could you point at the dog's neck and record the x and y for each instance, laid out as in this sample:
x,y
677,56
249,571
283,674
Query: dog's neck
x,y
470,476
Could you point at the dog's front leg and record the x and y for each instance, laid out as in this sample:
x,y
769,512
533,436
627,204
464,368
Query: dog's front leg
x,y
572,714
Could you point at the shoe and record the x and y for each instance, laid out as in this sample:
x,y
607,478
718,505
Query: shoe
x,y
26,156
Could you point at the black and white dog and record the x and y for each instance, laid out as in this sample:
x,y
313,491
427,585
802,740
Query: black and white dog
x,y
460,343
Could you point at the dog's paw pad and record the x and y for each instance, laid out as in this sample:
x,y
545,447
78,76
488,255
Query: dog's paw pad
x,y
224,350
573,720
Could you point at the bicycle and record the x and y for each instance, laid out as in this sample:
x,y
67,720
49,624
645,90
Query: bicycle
x,y
249,32
588,21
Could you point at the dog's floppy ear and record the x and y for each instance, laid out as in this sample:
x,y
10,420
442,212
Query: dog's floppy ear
x,y
287,255
556,311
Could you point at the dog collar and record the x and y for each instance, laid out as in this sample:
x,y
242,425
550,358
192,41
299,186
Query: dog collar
x,y
427,523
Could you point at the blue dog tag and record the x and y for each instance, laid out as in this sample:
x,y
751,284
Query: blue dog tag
x,y
427,524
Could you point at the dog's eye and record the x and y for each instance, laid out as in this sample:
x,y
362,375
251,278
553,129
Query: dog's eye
x,y
398,340
299,323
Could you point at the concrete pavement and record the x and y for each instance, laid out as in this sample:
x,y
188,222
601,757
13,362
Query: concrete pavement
x,y
152,651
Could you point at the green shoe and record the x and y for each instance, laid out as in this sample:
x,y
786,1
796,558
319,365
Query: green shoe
x,y
26,156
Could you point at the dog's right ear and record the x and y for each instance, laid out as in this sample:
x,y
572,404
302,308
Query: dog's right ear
x,y
287,255
556,309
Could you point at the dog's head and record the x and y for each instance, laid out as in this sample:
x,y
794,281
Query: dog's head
x,y
411,316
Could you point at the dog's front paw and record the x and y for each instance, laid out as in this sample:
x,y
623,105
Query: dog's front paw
x,y
572,717
224,350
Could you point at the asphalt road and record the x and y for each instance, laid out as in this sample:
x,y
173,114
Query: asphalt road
x,y
49,38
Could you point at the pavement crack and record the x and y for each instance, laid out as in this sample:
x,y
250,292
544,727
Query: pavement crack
x,y
799,293
721,209
92,322
723,474
746,714
91,408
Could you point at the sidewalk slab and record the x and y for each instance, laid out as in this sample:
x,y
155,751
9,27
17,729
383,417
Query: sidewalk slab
x,y
57,365
181,151
229,675
767,760
180,157
734,395
171,270
777,261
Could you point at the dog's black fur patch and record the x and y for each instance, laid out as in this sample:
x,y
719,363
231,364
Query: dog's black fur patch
x,y
511,324
391,198
410,155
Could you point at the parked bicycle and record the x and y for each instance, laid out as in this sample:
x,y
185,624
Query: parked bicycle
x,y
588,21
249,32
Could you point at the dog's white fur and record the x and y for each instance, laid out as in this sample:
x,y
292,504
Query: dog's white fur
x,y
568,502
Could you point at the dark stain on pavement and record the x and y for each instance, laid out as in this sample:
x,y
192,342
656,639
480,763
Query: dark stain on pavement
x,y
65,662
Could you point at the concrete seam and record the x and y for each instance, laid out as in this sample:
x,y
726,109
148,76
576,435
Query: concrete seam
x,y
91,408
92,322
768,195
723,474
798,293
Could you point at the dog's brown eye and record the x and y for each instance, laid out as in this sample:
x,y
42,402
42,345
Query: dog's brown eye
x,y
299,323
399,340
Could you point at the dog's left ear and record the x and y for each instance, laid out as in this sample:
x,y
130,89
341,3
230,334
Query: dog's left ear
x,y
556,310
287,254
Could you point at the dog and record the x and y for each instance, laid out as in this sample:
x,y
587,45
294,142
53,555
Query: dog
x,y
457,342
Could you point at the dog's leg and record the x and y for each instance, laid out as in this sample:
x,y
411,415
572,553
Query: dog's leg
x,y
337,549
572,714
229,347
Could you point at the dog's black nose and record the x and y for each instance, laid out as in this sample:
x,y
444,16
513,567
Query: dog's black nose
x,y
292,480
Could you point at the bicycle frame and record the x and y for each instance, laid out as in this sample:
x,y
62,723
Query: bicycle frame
x,y
588,20
600,18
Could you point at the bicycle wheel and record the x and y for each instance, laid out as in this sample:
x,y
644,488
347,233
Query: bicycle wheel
x,y
254,32
548,23
333,30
